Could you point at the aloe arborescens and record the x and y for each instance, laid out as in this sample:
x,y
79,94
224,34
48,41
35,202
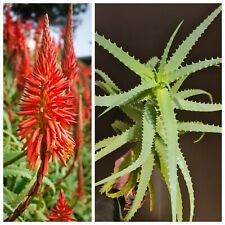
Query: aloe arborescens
x,y
155,129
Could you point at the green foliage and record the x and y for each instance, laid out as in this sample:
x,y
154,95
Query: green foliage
x,y
155,130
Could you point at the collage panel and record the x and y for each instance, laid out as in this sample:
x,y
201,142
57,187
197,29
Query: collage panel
x,y
158,112
47,112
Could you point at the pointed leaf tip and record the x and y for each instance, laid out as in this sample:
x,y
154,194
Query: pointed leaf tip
x,y
129,61
183,50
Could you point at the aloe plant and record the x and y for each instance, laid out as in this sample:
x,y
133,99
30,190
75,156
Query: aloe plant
x,y
155,130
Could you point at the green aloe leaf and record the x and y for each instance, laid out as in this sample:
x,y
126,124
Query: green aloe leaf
x,y
49,182
16,171
132,112
130,62
147,140
177,84
152,63
189,69
10,197
105,142
107,80
151,195
187,177
183,50
198,127
196,106
170,126
192,92
121,98
146,172
119,126
160,148
111,144
104,86
166,50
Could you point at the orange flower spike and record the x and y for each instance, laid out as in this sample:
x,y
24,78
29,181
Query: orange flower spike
x,y
79,132
38,30
42,103
24,69
62,37
62,212
69,61
38,35
20,39
80,187
9,29
87,99
17,48
28,25
76,101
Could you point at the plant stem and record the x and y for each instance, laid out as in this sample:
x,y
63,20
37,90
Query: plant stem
x,y
11,210
11,161
31,194
33,190
64,177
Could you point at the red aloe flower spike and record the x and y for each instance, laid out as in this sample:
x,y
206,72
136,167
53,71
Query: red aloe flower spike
x,y
78,128
62,212
47,109
62,37
15,40
28,25
23,69
69,61
87,98
17,48
38,35
83,80
19,42
9,29
80,187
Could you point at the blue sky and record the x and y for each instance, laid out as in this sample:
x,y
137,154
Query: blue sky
x,y
82,34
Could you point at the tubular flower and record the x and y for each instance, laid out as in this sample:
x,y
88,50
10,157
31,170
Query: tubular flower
x,y
69,61
18,42
62,211
23,69
70,70
9,29
47,109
